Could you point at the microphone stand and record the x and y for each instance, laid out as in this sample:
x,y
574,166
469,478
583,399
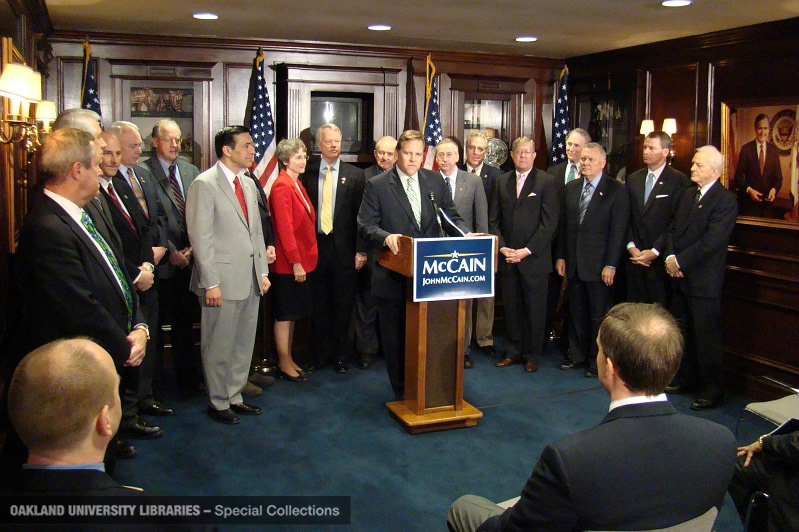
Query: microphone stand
x,y
431,195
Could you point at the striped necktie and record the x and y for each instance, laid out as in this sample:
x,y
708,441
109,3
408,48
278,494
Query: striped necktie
x,y
137,191
113,195
179,199
413,198
90,227
585,199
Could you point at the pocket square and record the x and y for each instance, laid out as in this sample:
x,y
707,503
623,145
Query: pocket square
x,y
661,196
531,194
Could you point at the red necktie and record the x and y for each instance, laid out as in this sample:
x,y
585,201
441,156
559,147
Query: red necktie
x,y
474,170
240,195
115,199
762,158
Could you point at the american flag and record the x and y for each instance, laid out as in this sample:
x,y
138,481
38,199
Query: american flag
x,y
432,122
262,127
89,99
560,120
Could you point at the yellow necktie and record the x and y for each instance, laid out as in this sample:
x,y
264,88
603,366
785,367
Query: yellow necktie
x,y
327,202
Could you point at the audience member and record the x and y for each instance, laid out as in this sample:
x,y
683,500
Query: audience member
x,y
294,223
644,466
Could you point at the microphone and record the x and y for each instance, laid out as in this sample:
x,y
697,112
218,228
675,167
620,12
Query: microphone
x,y
431,195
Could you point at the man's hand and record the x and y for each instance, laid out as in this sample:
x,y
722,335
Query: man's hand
x,y
515,256
299,273
360,260
187,253
754,194
213,297
138,347
270,254
158,254
505,251
772,194
145,280
608,274
177,258
644,258
392,243
750,450
560,267
671,265
265,284
634,251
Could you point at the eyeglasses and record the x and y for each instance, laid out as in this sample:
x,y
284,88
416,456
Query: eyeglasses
x,y
524,152
173,140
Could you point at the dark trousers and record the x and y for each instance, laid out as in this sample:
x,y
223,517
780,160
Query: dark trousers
x,y
151,368
365,322
554,283
391,313
771,476
700,320
179,307
525,312
648,284
334,290
589,301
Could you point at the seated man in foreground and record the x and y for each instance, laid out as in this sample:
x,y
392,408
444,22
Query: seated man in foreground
x,y
64,403
644,466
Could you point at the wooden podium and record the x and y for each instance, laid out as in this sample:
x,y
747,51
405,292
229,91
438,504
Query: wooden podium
x,y
434,348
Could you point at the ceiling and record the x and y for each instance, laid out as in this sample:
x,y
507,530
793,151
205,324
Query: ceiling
x,y
564,28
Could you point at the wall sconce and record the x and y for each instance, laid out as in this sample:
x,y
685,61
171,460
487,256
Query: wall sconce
x,y
670,127
647,127
46,113
21,85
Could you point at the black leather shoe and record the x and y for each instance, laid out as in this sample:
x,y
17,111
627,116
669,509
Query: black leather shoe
x,y
706,404
286,377
590,373
260,379
340,367
571,365
223,416
364,362
246,409
125,450
156,409
488,350
677,389
316,366
139,429
468,363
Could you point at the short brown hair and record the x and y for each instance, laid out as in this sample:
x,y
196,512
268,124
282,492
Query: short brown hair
x,y
56,391
522,140
663,137
407,136
64,147
645,344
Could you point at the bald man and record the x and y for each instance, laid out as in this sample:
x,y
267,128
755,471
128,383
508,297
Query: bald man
x,y
64,403
385,157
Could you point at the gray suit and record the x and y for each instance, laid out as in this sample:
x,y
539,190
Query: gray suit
x,y
471,203
229,252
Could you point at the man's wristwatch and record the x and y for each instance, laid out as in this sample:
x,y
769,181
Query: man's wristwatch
x,y
148,267
760,440
144,327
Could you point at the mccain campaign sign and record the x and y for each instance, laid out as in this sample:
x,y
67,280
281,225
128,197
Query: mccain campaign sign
x,y
453,268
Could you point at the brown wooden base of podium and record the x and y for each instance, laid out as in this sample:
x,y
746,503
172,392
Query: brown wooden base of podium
x,y
441,418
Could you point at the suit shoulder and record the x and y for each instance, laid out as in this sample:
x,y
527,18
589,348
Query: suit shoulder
x,y
641,173
545,176
492,171
351,169
183,164
555,168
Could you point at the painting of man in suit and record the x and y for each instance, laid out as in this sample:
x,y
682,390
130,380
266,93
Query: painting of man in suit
x,y
758,176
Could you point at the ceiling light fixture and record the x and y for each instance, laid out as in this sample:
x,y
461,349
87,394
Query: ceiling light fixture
x,y
379,27
526,38
675,3
205,16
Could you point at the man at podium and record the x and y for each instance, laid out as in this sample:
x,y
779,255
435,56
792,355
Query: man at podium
x,y
402,202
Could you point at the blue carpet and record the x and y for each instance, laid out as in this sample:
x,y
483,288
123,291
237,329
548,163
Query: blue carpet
x,y
333,435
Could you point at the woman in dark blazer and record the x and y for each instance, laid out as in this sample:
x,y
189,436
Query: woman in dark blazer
x,y
294,223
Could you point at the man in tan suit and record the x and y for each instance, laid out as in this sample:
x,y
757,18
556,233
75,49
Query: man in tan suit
x,y
230,271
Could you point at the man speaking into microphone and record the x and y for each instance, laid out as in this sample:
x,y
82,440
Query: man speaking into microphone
x,y
398,203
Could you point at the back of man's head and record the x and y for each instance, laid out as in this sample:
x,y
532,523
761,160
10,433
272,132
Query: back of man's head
x,y
645,345
77,118
57,393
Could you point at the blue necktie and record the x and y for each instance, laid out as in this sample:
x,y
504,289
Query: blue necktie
x,y
650,184
584,199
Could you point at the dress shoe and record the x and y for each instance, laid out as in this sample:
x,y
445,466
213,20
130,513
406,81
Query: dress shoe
x,y
251,390
340,367
677,389
531,366
125,450
316,366
156,408
569,364
706,404
591,373
507,361
286,377
467,361
488,350
261,380
139,429
364,362
223,416
246,409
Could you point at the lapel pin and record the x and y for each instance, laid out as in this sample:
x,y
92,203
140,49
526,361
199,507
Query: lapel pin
x,y
660,182
601,193
700,206
343,180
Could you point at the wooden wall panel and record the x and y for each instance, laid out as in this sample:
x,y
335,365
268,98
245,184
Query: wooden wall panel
x,y
673,94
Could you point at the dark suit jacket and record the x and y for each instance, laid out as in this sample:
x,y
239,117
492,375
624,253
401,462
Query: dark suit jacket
x,y
385,210
527,222
649,223
558,171
349,192
75,482
372,171
136,246
489,175
263,209
645,466
747,174
599,241
155,223
294,226
175,233
68,288
699,236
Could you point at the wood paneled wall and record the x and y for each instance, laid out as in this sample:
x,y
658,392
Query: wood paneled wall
x,y
689,79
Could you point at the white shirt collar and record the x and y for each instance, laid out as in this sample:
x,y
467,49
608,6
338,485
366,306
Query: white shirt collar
x,y
656,171
229,173
451,176
477,169
637,399
703,190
